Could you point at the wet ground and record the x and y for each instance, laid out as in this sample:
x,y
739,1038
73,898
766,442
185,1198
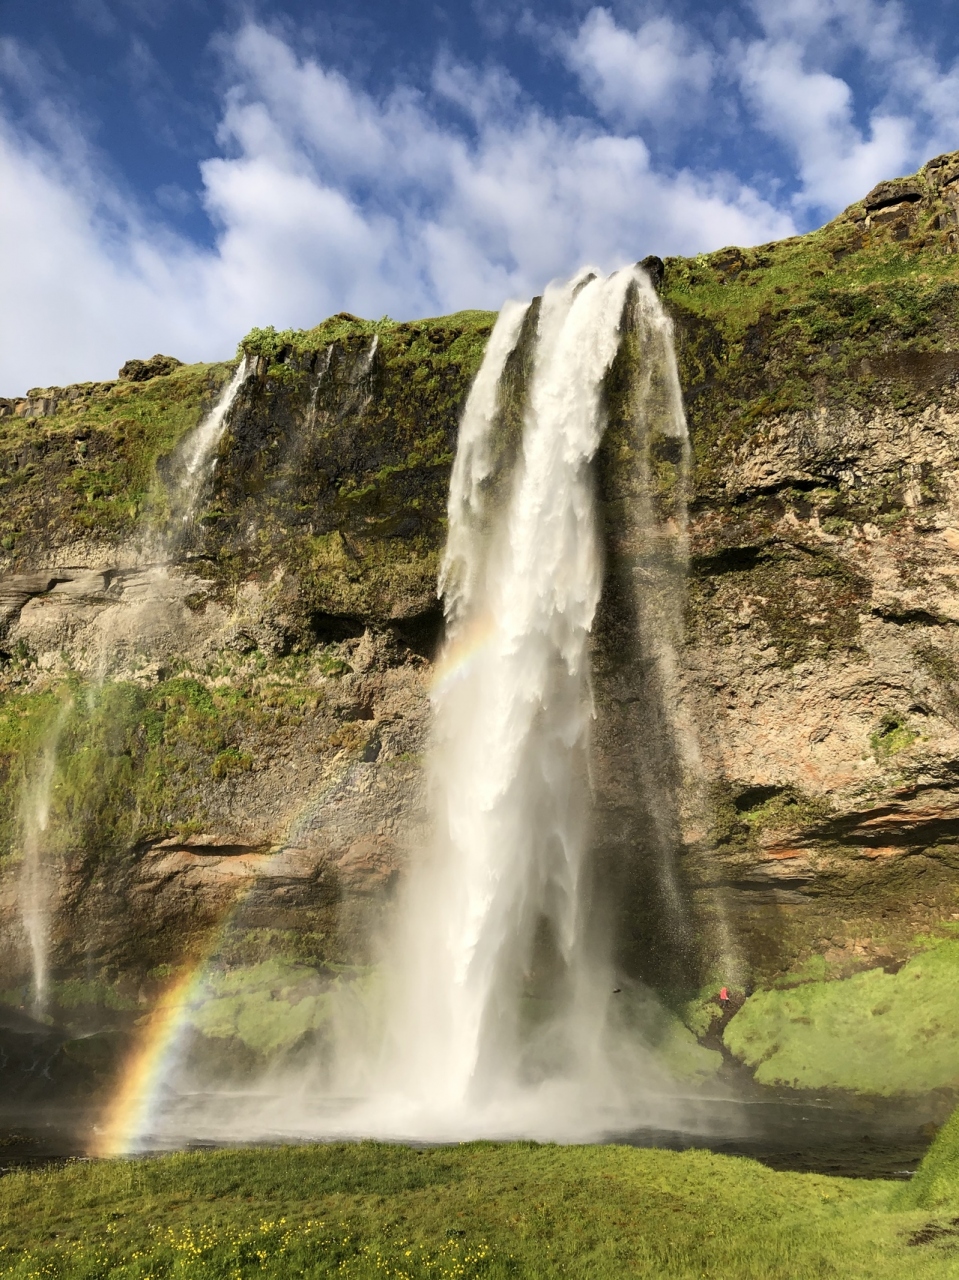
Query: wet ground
x,y
52,1090
32,1135
858,1138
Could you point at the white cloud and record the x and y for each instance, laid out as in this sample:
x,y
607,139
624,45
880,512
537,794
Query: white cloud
x,y
79,292
654,73
811,112
910,103
792,82
326,198
481,96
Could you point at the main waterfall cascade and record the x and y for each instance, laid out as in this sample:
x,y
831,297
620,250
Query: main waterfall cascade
x,y
508,1011
506,1002
502,990
153,548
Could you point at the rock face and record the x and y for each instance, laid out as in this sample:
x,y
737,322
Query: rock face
x,y
821,639
155,367
237,708
239,734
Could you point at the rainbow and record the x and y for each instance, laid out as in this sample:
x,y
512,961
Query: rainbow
x,y
131,1107
462,652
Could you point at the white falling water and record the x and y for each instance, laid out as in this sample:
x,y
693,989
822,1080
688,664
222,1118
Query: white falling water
x,y
38,879
512,724
472,468
499,1005
203,443
36,875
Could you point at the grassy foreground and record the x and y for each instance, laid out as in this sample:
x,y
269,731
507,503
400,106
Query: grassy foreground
x,y
479,1209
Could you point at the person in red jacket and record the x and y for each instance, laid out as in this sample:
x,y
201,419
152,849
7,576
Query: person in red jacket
x,y
723,999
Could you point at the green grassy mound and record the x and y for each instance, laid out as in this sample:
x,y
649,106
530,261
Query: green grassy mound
x,y
479,1209
873,1033
280,1005
936,1184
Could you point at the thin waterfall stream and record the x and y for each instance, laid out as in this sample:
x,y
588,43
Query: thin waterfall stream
x,y
157,547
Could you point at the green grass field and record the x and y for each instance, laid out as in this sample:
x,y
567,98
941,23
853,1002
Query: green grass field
x,y
479,1209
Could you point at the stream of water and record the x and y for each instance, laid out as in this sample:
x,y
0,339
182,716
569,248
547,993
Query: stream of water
x,y
38,878
499,1001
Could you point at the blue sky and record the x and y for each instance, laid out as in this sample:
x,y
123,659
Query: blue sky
x,y
173,172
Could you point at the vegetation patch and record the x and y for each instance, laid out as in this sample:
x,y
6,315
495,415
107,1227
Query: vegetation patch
x,y
780,809
473,1210
92,463
936,1184
858,313
894,734
876,1032
268,1007
129,763
806,604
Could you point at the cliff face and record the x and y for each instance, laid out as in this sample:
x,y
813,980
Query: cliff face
x,y
253,716
239,738
821,378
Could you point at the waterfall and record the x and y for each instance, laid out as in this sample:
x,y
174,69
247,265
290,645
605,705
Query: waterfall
x,y
501,995
512,712
503,1006
473,467
38,880
36,888
193,470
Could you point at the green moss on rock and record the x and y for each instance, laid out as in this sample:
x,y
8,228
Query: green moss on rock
x,y
803,601
893,734
877,1032
859,312
131,763
268,1007
85,459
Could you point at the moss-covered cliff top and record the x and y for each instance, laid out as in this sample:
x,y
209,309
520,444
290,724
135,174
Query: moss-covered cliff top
x,y
859,313
85,460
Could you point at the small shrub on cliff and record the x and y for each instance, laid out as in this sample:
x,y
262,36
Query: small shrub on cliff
x,y
230,761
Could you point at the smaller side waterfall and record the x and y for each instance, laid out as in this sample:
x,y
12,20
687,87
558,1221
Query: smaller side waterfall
x,y
192,473
37,875
38,879
202,444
